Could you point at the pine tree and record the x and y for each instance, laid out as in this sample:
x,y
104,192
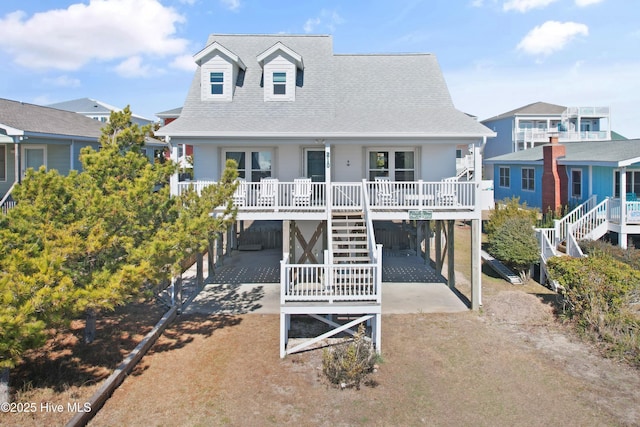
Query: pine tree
x,y
93,240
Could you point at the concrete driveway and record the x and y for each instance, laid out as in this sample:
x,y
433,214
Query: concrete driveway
x,y
249,282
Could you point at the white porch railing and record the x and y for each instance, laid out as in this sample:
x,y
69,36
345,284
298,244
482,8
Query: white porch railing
x,y
542,135
439,195
561,226
331,283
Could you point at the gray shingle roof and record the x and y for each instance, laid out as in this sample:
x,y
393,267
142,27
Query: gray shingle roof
x,y
606,153
89,106
32,118
341,95
534,109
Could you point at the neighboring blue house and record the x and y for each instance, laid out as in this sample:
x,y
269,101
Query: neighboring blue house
x,y
586,169
600,179
529,126
32,136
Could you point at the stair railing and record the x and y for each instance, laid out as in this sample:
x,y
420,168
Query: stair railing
x,y
561,226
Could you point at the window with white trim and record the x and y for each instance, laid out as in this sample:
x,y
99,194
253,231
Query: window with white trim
x,y
216,80
397,165
528,179
633,183
279,83
505,177
576,183
260,166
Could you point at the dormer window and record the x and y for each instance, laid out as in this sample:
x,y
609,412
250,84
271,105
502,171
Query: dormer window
x,y
217,83
281,67
279,83
219,71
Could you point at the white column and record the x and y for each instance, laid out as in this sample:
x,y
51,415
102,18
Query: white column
x,y
173,180
622,236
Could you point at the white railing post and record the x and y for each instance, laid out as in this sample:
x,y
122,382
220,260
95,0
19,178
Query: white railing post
x,y
378,284
283,278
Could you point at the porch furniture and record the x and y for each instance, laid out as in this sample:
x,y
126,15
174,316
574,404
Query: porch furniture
x,y
301,192
447,195
631,197
385,194
267,191
240,195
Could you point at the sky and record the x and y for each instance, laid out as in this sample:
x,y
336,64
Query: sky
x,y
496,55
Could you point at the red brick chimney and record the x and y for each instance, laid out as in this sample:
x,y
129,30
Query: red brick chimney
x,y
554,176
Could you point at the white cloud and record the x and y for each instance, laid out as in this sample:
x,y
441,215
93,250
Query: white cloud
x,y
183,62
231,4
133,67
525,5
328,19
311,24
551,36
102,30
584,3
62,81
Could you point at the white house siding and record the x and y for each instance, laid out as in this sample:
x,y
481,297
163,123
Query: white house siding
x,y
217,64
206,162
277,63
438,161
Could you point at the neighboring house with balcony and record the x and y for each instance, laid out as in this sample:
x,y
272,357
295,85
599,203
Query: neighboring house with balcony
x,y
32,136
530,126
329,144
599,181
96,110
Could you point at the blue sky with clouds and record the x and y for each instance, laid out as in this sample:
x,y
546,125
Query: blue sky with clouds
x,y
496,55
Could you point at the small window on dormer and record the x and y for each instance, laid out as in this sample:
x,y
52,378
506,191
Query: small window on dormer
x,y
217,83
279,83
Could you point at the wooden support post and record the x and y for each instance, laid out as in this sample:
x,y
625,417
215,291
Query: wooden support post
x,y
427,245
199,270
292,240
219,250
210,256
451,270
438,243
284,319
476,264
419,236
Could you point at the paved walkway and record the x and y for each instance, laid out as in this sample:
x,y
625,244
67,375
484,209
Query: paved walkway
x,y
249,282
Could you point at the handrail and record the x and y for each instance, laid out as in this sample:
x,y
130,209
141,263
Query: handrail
x,y
371,238
561,225
581,228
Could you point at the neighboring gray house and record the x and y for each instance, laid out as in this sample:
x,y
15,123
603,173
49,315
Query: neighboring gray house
x,y
32,136
329,144
530,126
96,110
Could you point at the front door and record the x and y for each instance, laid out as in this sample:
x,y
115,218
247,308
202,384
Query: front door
x,y
33,157
314,162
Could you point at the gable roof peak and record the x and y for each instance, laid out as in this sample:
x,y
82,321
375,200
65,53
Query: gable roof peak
x,y
279,46
215,46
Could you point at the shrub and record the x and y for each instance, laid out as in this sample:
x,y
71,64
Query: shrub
x,y
601,296
348,364
508,208
514,242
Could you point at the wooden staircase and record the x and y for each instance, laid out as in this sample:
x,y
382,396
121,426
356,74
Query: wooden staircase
x,y
349,242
